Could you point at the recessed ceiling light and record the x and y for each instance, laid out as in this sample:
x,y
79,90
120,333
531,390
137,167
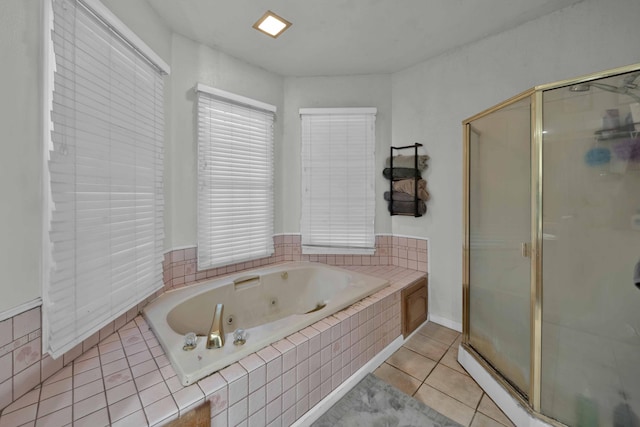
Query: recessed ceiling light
x,y
271,24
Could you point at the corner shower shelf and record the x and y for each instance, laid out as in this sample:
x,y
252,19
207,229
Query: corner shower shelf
x,y
617,133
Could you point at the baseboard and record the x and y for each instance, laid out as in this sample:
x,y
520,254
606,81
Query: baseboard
x,y
456,326
323,406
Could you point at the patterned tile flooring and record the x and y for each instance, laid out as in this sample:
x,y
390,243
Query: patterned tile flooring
x,y
426,368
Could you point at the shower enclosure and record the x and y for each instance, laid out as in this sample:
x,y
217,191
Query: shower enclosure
x,y
552,248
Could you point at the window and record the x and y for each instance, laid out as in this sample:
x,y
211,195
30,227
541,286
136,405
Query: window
x,y
104,246
338,164
235,178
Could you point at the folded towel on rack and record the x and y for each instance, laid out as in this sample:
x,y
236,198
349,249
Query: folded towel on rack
x,y
397,207
398,196
401,173
400,161
409,186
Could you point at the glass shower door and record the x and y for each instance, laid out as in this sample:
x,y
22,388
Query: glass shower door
x,y
591,248
499,240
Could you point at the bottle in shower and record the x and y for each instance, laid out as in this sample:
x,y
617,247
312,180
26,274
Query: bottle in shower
x,y
586,411
623,415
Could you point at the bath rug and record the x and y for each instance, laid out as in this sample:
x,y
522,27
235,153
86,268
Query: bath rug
x,y
372,402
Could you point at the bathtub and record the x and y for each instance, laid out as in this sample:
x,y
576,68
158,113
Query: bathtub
x,y
268,303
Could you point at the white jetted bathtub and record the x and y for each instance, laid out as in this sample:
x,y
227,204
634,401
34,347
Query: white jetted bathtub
x,y
269,304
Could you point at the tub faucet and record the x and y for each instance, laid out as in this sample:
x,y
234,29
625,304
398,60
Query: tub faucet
x,y
216,334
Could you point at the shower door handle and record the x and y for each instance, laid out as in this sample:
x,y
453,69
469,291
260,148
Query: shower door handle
x,y
525,249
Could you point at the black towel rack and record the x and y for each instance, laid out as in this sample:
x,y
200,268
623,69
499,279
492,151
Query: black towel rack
x,y
417,177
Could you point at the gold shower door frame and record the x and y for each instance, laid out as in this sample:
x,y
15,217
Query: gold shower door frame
x,y
532,402
535,258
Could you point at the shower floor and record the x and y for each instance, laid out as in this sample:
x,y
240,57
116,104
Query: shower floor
x,y
426,368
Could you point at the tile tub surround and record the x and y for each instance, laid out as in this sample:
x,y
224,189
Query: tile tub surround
x,y
127,379
23,366
180,266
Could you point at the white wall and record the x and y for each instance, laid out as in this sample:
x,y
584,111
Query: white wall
x,y
431,99
195,63
145,22
425,103
21,158
349,91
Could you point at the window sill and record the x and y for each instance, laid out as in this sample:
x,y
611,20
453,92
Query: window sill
x,y
328,250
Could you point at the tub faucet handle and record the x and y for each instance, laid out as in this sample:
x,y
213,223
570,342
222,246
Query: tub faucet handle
x,y
190,341
239,336
216,333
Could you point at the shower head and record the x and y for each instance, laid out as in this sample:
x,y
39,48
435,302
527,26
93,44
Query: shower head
x,y
582,87
585,87
629,82
625,89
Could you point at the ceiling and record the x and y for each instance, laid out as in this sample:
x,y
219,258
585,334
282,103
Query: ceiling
x,y
344,37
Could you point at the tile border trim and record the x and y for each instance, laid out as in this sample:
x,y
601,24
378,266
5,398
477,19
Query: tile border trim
x,y
13,312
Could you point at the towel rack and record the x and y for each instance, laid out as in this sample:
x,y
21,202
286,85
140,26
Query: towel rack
x,y
417,177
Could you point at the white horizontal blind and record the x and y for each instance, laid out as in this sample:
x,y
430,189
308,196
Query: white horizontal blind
x,y
235,182
105,167
338,165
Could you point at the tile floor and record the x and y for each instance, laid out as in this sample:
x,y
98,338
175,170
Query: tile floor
x,y
426,368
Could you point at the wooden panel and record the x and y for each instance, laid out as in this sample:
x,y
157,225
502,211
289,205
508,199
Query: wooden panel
x,y
414,306
199,417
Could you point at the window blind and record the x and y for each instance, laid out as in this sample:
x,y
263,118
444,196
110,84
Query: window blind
x,y
338,187
105,168
235,179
